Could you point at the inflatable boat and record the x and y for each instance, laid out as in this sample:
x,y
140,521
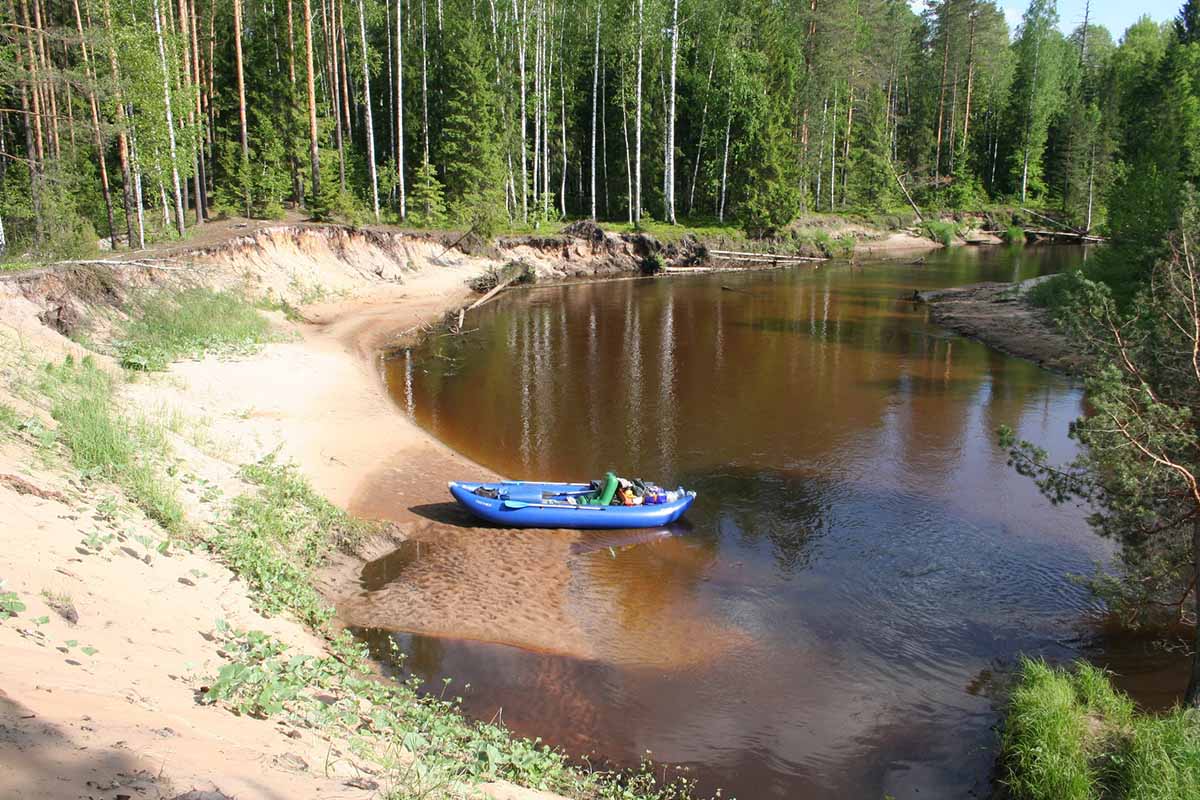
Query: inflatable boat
x,y
524,504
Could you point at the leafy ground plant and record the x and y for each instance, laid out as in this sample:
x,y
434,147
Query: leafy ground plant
x,y
190,323
275,536
104,443
1069,735
422,744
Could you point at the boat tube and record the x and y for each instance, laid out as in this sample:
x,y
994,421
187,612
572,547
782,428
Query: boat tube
x,y
526,504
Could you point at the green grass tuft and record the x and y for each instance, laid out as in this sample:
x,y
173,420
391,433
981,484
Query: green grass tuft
x,y
1070,735
1044,738
105,444
189,324
940,231
8,417
1014,234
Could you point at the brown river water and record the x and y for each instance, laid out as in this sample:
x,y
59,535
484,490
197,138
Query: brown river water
x,y
861,564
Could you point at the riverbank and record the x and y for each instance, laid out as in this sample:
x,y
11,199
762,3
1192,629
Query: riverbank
x,y
1001,316
310,394
119,602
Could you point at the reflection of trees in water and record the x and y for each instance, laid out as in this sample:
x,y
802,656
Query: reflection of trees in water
x,y
786,509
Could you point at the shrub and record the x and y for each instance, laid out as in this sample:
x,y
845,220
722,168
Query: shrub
x,y
940,231
1053,292
1014,234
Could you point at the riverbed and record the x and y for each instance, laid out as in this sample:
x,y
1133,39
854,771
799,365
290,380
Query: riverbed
x,y
860,565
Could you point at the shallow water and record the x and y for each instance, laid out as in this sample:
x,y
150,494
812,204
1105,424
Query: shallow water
x,y
860,561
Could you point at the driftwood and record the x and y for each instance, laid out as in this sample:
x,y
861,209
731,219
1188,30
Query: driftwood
x,y
499,287
735,255
1053,221
907,196
1081,237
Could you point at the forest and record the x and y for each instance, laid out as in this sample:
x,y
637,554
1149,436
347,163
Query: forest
x,y
138,119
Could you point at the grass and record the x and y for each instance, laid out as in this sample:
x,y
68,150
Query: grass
x,y
104,443
9,418
665,232
1069,735
189,323
1013,234
940,231
276,536
388,723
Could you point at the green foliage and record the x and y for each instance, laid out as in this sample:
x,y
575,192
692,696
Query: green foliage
x,y
427,203
190,323
105,444
1013,234
1140,449
10,604
276,536
340,695
1045,741
1069,735
940,231
470,142
871,169
1054,293
334,204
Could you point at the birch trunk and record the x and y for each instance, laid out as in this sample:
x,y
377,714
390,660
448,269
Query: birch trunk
x,y
700,140
424,80
400,108
180,223
669,179
336,83
628,159
725,166
637,122
595,88
370,125
122,134
1037,51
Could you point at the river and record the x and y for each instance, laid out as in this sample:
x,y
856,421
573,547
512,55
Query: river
x,y
860,565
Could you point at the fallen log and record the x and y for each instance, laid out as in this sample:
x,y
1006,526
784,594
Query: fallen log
x,y
736,255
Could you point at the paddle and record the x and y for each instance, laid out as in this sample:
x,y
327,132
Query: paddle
x,y
515,504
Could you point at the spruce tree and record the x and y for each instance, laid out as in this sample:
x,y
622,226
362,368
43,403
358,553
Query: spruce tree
x,y
470,141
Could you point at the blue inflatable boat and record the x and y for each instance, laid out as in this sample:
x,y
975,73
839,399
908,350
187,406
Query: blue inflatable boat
x,y
523,504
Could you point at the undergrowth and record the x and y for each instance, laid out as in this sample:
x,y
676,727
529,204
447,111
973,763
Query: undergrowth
x,y
1069,735
1054,293
189,323
105,443
422,744
940,231
276,536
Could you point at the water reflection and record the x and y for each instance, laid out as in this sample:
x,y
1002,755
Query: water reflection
x,y
860,553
